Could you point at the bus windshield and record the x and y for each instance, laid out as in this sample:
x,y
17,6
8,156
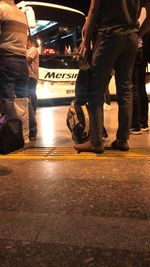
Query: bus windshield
x,y
57,39
58,62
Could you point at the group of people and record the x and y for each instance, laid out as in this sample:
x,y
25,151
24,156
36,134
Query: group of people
x,y
117,45
19,60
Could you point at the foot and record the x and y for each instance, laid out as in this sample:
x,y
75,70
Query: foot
x,y
89,147
135,131
107,106
105,134
120,145
32,137
144,128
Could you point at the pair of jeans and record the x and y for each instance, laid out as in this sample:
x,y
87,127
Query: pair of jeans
x,y
32,83
118,53
135,123
140,97
14,76
32,122
13,80
143,94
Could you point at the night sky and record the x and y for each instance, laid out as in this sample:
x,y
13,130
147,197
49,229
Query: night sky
x,y
82,5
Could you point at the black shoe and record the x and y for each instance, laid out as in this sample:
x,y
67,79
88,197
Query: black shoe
x,y
135,131
120,145
89,147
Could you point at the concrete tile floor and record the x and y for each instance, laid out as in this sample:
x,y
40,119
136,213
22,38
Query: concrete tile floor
x,y
52,130
75,213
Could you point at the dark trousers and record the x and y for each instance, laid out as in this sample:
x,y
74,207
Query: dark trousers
x,y
32,83
143,93
13,81
32,121
13,77
136,98
32,106
140,98
107,97
119,53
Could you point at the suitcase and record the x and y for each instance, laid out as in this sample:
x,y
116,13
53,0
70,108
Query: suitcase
x,y
11,136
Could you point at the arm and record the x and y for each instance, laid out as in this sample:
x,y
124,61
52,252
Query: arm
x,y
145,26
31,53
89,26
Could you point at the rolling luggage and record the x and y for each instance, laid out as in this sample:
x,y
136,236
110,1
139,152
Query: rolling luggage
x,y
11,136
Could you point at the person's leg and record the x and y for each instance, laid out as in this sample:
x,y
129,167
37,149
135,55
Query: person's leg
x,y
103,60
8,73
32,123
95,117
143,96
21,92
107,97
123,73
32,92
135,123
95,144
22,79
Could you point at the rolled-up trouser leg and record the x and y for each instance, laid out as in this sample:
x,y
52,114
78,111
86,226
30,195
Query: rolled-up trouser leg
x,y
96,124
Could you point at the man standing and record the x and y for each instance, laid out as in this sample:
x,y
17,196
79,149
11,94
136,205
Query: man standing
x,y
116,30
13,66
33,64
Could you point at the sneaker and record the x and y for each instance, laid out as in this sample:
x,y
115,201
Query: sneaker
x,y
135,131
107,107
145,128
32,138
120,145
105,134
89,147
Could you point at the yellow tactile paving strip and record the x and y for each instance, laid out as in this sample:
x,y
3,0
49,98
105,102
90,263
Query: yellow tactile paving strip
x,y
68,153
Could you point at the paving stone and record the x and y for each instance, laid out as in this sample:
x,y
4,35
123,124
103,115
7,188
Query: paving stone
x,y
21,226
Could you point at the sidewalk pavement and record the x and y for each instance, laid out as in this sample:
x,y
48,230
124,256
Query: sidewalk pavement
x,y
75,210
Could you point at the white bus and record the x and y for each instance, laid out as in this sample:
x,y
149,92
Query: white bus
x,y
57,76
58,32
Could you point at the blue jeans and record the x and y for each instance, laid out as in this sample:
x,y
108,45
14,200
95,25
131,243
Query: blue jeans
x,y
32,83
110,52
14,78
13,81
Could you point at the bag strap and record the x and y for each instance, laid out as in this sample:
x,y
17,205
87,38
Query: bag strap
x,y
86,116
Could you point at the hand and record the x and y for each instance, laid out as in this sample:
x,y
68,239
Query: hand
x,y
83,49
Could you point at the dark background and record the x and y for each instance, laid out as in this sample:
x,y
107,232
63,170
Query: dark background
x,y
82,5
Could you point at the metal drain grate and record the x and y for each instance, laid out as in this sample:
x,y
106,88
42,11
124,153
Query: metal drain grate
x,y
64,153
